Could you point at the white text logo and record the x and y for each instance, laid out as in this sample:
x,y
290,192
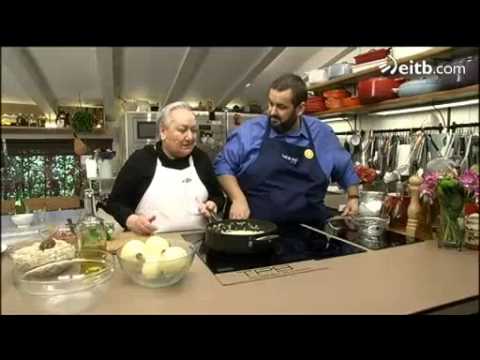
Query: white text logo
x,y
419,68
290,159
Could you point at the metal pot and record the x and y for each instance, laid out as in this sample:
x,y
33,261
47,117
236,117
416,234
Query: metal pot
x,y
337,70
223,236
460,78
371,203
419,87
316,76
360,229
371,228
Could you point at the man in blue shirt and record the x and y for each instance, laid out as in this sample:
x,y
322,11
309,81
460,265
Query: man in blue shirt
x,y
277,167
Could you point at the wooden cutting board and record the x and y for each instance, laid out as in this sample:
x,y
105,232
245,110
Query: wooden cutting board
x,y
120,239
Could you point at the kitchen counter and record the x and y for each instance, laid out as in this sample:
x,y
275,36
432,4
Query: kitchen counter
x,y
401,280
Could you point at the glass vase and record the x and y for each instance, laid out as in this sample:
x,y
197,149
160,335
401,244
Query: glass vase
x,y
451,232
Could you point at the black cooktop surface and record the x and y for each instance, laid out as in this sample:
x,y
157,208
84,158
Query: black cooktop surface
x,y
296,243
390,239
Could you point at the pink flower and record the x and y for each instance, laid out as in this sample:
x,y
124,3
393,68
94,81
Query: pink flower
x,y
470,181
429,185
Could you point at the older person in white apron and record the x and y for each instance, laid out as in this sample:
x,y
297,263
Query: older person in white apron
x,y
170,186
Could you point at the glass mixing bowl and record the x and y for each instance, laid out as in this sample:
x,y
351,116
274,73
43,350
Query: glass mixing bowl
x,y
159,272
66,286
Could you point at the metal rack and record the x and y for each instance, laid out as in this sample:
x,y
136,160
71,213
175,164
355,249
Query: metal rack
x,y
453,127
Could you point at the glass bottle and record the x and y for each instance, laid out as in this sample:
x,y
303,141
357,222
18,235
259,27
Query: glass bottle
x,y
32,121
91,229
92,237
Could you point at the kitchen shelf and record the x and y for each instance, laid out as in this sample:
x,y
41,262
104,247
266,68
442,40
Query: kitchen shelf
x,y
12,132
444,53
434,98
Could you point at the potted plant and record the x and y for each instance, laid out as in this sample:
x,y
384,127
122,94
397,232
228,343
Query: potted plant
x,y
82,121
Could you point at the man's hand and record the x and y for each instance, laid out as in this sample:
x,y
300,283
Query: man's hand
x,y
140,224
207,208
239,210
351,209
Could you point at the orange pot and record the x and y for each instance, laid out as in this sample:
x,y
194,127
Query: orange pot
x,y
336,94
333,103
351,101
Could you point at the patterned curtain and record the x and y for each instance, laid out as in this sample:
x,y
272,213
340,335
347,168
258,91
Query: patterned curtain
x,y
33,175
33,168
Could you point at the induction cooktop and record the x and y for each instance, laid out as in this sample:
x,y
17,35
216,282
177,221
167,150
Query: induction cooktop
x,y
296,243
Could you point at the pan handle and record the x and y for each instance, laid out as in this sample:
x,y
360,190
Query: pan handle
x,y
336,218
267,237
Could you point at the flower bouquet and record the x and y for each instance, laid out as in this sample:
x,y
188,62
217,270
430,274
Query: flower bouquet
x,y
452,191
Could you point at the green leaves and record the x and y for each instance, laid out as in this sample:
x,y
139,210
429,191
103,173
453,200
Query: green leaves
x,y
83,121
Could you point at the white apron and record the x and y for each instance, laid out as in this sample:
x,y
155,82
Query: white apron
x,y
174,197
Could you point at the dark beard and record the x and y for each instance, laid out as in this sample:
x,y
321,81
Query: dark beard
x,y
282,127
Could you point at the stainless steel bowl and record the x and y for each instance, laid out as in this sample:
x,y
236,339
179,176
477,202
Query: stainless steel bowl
x,y
366,229
371,228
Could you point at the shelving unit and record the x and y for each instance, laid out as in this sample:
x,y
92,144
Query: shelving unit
x,y
49,131
440,53
434,98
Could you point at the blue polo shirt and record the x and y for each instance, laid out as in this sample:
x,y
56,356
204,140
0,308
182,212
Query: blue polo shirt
x,y
244,143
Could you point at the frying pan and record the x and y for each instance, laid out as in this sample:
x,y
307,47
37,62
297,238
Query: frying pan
x,y
222,236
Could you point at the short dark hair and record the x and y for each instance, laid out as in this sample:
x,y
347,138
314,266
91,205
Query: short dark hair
x,y
293,82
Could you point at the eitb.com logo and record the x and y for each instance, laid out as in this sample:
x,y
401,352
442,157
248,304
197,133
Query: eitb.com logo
x,y
419,68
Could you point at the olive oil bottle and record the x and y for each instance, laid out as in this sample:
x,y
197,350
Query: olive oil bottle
x,y
92,235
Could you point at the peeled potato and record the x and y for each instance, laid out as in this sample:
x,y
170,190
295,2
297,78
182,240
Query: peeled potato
x,y
150,270
155,246
173,259
131,249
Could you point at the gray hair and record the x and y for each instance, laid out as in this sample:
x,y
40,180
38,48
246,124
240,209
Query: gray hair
x,y
165,118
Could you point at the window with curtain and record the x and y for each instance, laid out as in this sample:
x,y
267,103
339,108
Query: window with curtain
x,y
46,167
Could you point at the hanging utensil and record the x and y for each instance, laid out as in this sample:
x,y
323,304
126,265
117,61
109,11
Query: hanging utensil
x,y
79,147
464,163
355,139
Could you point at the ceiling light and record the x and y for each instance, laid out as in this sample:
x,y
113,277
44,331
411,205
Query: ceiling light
x,y
335,119
248,85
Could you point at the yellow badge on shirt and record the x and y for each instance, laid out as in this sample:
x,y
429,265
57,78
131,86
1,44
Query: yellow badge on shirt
x,y
309,154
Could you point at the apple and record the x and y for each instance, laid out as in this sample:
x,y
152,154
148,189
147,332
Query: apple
x,y
173,259
155,246
131,249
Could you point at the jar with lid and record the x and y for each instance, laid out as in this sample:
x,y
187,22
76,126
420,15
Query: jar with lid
x,y
61,119
472,231
42,121
21,120
32,121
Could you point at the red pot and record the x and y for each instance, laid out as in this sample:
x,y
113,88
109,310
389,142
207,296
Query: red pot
x,y
372,55
378,89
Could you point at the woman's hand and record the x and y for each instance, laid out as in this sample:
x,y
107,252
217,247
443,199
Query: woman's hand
x,y
140,224
207,208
